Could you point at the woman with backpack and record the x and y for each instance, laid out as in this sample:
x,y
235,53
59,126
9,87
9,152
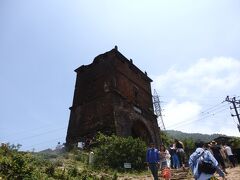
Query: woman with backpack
x,y
203,164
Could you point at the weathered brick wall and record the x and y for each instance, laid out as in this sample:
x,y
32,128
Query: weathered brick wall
x,y
113,96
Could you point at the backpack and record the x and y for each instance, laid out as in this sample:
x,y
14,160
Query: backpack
x,y
205,167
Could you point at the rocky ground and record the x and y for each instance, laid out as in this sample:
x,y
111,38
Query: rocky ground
x,y
233,174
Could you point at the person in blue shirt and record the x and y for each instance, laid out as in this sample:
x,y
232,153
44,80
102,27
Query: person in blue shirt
x,y
202,154
153,158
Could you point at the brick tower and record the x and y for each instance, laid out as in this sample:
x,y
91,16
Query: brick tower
x,y
112,96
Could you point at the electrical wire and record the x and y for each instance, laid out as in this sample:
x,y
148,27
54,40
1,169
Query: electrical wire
x,y
43,142
26,130
191,121
206,114
205,117
36,135
212,108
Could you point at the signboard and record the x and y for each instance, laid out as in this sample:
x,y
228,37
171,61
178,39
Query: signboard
x,y
80,145
127,165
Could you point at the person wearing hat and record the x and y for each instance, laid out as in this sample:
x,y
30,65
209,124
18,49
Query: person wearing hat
x,y
152,159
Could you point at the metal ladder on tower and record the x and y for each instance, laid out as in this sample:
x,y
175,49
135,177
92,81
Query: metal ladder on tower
x,y
158,110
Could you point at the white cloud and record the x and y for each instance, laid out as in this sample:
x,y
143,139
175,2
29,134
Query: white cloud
x,y
202,78
176,113
187,117
186,88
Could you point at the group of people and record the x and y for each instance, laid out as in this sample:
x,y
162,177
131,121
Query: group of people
x,y
177,154
210,158
165,159
204,162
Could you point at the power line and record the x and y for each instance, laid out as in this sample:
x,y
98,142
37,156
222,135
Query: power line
x,y
43,142
36,135
26,131
204,117
205,113
212,108
211,112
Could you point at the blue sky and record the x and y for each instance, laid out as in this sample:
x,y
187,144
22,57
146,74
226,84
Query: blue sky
x,y
189,48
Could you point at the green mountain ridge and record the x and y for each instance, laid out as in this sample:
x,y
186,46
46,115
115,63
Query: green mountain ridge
x,y
194,136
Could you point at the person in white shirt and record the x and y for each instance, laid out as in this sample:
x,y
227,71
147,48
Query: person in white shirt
x,y
164,157
230,155
165,162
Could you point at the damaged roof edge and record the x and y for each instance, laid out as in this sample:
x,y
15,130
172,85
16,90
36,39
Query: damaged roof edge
x,y
120,56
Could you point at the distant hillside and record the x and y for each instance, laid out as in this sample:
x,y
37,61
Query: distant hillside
x,y
195,136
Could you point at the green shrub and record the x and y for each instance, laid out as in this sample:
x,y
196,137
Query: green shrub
x,y
48,155
114,151
73,171
81,157
16,165
58,163
50,169
115,176
166,139
66,156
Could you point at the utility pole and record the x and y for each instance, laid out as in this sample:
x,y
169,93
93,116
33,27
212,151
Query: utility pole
x,y
234,102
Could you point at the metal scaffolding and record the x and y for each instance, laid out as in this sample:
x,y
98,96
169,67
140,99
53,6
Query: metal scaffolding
x,y
158,110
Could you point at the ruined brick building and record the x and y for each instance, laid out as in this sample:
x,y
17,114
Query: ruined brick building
x,y
112,95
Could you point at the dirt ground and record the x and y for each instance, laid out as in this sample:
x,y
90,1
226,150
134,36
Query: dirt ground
x,y
233,174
